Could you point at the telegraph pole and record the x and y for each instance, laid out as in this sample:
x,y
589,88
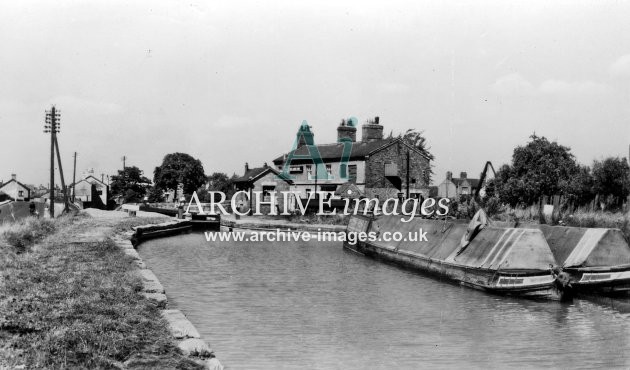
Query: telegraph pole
x,y
74,177
52,126
63,182
124,158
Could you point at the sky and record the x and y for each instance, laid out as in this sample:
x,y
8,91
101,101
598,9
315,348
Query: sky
x,y
230,82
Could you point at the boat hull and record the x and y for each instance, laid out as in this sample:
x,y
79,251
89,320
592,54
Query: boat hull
x,y
611,282
526,284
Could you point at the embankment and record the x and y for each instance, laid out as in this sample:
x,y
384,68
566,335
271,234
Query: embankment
x,y
81,297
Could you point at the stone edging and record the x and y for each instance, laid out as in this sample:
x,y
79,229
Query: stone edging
x,y
145,232
283,226
184,332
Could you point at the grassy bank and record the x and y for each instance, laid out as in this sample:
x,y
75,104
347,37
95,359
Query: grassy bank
x,y
578,218
76,304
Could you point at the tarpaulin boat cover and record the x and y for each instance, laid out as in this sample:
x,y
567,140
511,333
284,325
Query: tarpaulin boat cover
x,y
587,247
492,248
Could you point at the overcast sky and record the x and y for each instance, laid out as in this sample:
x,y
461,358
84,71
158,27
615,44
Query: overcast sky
x,y
230,82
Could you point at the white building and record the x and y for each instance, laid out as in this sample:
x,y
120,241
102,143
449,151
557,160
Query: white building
x,y
83,189
15,189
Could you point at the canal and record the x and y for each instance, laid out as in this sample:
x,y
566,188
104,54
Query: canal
x,y
315,306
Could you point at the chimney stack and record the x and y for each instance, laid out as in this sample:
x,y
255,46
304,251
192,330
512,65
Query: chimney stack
x,y
305,135
449,175
346,129
13,177
372,131
246,167
463,175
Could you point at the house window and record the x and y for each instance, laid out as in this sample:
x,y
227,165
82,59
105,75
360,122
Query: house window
x,y
295,169
352,173
266,190
21,193
329,169
309,169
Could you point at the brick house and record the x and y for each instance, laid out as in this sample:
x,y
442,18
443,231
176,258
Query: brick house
x,y
453,187
378,166
265,179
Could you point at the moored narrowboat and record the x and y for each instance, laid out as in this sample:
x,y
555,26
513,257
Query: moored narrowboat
x,y
510,261
592,260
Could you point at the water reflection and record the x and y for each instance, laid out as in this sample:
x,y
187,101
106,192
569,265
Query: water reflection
x,y
315,306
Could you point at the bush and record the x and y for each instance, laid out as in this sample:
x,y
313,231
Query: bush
x,y
492,205
27,232
583,218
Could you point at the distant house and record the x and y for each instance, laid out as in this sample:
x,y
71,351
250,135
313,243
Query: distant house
x,y
265,179
453,187
15,189
37,192
433,192
88,188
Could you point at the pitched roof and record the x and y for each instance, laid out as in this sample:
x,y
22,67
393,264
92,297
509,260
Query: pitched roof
x,y
97,180
458,181
349,190
333,152
19,183
87,179
254,173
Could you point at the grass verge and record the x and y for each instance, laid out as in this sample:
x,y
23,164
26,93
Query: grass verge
x,y
76,305
578,218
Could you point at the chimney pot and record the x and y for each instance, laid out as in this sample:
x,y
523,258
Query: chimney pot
x,y
346,130
372,131
246,167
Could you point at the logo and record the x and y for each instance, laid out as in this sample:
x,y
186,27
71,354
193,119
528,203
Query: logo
x,y
304,148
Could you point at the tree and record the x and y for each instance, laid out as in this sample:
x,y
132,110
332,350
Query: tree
x,y
218,181
176,168
418,141
539,168
130,183
155,195
579,189
611,180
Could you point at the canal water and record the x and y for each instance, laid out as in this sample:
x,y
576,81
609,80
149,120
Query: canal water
x,y
315,306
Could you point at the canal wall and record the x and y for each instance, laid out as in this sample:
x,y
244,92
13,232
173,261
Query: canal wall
x,y
147,232
251,223
183,331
